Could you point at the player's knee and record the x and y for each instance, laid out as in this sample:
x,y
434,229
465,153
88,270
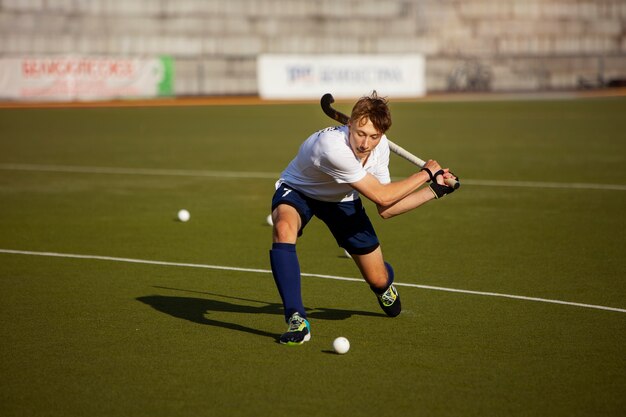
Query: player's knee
x,y
285,231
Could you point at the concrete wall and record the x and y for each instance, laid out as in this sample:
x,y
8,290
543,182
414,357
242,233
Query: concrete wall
x,y
469,44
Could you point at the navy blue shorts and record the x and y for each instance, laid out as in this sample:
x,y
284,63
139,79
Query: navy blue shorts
x,y
347,220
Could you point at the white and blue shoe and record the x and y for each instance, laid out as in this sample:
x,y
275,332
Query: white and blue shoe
x,y
298,332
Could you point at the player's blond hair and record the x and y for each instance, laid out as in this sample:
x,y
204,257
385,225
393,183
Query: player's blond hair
x,y
373,108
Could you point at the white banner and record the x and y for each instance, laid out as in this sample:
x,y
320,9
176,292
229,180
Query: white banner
x,y
345,76
67,78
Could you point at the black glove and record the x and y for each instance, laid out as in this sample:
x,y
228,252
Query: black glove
x,y
438,189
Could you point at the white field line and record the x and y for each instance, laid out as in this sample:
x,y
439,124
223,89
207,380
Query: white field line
x,y
137,171
538,184
333,277
274,175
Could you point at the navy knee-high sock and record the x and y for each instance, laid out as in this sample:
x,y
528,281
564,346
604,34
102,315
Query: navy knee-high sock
x,y
286,271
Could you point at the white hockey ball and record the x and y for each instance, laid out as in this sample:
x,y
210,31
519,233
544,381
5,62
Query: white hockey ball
x,y
183,215
341,345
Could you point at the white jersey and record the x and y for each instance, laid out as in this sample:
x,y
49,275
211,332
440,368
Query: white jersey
x,y
326,165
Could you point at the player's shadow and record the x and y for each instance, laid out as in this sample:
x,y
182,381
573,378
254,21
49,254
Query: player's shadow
x,y
198,310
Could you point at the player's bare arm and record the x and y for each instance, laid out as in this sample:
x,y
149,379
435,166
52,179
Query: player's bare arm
x,y
408,203
391,193
385,195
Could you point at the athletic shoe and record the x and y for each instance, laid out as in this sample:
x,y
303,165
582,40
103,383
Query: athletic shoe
x,y
298,332
390,301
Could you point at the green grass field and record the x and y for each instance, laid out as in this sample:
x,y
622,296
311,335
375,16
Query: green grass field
x,y
541,214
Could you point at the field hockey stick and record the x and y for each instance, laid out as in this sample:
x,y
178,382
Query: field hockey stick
x,y
326,103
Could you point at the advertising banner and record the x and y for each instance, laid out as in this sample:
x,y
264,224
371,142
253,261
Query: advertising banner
x,y
70,78
345,76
